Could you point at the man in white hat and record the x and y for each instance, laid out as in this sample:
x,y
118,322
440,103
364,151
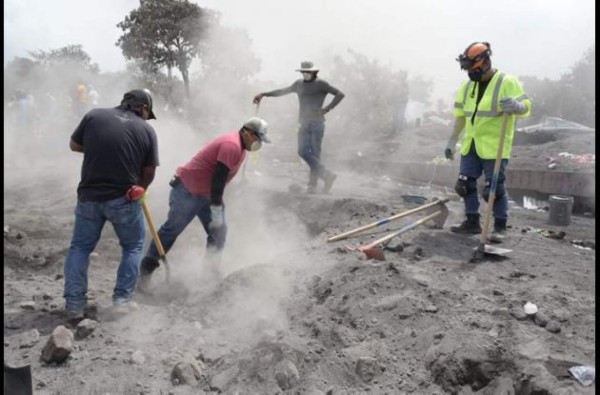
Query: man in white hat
x,y
311,93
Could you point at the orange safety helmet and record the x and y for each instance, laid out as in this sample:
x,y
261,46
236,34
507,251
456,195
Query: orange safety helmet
x,y
474,56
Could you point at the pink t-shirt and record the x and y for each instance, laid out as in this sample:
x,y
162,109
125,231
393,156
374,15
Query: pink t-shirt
x,y
196,174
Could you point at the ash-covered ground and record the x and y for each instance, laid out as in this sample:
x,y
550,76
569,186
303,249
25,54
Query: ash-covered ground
x,y
293,313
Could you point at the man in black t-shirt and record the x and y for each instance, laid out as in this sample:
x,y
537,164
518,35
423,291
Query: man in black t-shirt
x,y
120,152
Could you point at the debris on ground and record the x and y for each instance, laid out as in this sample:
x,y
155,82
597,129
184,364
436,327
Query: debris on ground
x,y
586,375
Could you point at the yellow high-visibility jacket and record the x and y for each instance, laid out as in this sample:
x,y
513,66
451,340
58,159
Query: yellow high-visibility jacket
x,y
484,127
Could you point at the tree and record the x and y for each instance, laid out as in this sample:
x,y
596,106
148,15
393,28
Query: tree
x,y
71,54
376,95
227,53
572,97
420,89
581,83
165,33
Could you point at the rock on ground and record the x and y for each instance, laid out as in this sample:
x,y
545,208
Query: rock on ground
x,y
85,328
59,345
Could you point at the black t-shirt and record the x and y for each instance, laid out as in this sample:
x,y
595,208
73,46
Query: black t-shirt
x,y
480,91
117,144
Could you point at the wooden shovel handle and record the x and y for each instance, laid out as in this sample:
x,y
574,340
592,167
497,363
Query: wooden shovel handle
x,y
492,197
159,247
386,220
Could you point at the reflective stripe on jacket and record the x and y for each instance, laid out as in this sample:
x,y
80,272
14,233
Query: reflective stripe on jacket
x,y
485,127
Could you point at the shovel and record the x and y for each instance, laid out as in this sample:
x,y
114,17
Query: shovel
x,y
17,380
374,250
159,246
386,220
485,249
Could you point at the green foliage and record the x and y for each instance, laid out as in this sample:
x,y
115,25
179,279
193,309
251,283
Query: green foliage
x,y
572,97
376,95
165,33
72,55
420,89
54,70
227,54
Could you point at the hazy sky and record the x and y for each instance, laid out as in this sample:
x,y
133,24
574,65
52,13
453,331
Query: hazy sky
x,y
533,37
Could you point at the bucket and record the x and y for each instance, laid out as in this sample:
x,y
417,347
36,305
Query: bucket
x,y
560,210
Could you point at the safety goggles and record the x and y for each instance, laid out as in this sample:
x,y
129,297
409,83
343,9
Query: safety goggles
x,y
467,63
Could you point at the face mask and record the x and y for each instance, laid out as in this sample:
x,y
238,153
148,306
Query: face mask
x,y
475,75
307,76
256,145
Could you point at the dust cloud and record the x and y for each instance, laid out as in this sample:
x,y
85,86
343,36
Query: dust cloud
x,y
265,258
38,147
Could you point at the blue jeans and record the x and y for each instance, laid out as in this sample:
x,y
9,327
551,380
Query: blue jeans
x,y
310,137
183,207
128,222
472,166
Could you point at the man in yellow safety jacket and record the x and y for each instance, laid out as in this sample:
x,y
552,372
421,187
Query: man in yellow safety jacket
x,y
480,103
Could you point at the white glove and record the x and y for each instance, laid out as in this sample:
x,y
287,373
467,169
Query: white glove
x,y
510,105
450,147
216,217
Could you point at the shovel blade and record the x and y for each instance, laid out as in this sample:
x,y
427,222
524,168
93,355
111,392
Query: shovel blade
x,y
486,250
374,253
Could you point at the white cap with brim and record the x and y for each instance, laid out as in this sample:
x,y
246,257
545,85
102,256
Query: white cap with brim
x,y
307,66
258,126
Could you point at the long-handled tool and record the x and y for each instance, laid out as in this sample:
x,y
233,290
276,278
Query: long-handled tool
x,y
159,246
246,162
374,249
386,220
483,248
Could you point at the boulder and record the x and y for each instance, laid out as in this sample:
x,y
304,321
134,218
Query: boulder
x,y
287,375
85,328
367,368
186,372
59,345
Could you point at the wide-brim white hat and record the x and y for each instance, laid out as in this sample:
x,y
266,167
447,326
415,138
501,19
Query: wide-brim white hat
x,y
307,66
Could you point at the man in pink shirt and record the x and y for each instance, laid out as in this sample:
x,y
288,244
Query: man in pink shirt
x,y
198,191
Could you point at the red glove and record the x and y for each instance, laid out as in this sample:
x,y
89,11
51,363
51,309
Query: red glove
x,y
135,193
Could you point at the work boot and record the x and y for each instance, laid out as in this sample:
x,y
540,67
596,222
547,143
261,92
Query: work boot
x,y
118,310
72,317
470,226
499,233
329,178
311,189
313,179
148,265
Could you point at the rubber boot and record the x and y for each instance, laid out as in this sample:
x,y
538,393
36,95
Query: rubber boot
x,y
329,177
499,233
470,226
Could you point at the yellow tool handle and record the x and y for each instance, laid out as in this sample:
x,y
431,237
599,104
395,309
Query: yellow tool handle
x,y
159,246
492,197
399,232
386,220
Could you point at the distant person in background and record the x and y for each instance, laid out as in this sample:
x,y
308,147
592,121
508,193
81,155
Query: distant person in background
x,y
23,127
120,154
480,103
24,104
81,100
197,192
93,96
311,92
